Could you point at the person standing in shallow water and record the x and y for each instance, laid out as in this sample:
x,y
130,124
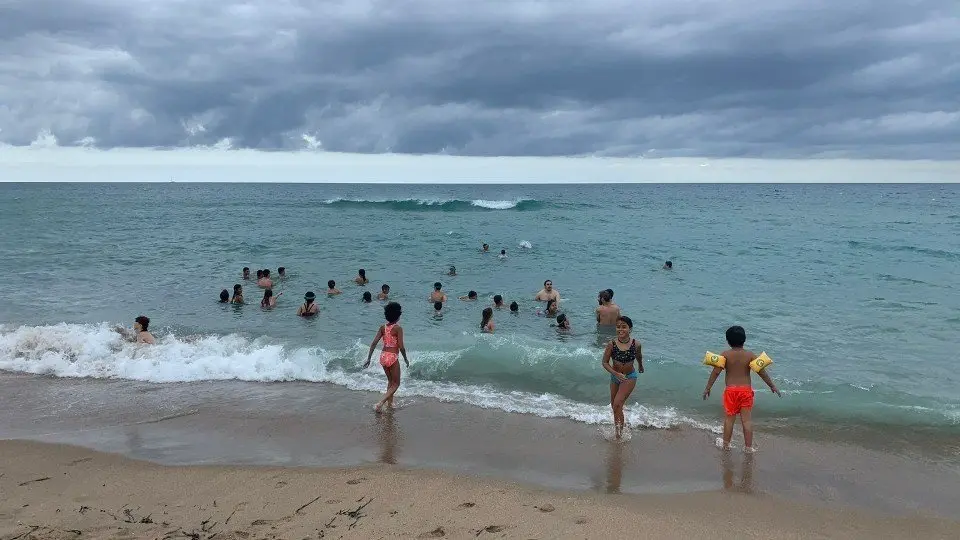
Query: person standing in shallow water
x,y
618,359
308,308
392,336
237,294
486,322
361,278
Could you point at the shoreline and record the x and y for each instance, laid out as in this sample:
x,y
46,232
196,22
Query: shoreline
x,y
60,491
299,425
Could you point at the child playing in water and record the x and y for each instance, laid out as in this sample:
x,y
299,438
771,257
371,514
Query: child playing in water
x,y
384,292
618,361
486,323
392,336
738,394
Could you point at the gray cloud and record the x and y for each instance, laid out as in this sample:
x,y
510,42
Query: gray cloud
x,y
784,78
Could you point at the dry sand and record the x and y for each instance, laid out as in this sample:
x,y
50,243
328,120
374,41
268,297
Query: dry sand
x,y
55,491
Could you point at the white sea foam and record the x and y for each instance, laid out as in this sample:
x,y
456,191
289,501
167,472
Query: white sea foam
x,y
96,351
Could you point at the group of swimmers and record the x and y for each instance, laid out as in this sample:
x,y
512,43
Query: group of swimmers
x,y
622,357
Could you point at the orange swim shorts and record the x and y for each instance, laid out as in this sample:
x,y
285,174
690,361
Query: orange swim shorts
x,y
737,398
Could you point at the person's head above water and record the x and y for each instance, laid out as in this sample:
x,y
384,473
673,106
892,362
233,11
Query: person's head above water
x,y
736,336
259,274
453,271
362,273
437,286
143,321
224,295
624,326
367,297
487,315
548,285
668,265
266,272
237,288
503,252
486,247
246,270
605,296
562,321
551,305
497,299
331,284
472,295
514,306
392,312
385,288
309,297
281,270
437,306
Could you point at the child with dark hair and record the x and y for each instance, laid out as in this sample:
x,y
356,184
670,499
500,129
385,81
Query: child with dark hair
x,y
224,296
384,293
738,394
486,322
514,308
618,360
332,289
498,301
392,336
367,297
361,278
470,297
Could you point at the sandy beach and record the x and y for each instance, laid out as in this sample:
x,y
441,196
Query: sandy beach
x,y
58,491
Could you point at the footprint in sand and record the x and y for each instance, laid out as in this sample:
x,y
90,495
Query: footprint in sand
x,y
333,501
581,521
494,528
356,481
545,508
467,505
436,533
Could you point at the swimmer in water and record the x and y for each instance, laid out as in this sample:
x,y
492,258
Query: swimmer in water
x,y
437,295
498,301
392,336
384,293
265,281
618,359
237,294
547,292
437,308
332,289
246,272
308,308
563,323
259,275
453,271
668,265
361,278
738,394
485,248
514,308
551,310
269,300
281,272
608,313
224,296
140,333
470,297
503,254
367,297
486,323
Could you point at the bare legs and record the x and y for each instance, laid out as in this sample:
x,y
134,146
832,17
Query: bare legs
x,y
619,393
393,383
746,421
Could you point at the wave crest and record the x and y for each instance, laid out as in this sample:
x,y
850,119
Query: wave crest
x,y
449,205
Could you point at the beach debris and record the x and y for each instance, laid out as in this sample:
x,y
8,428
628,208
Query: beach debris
x,y
28,533
467,505
436,533
580,521
35,480
491,529
546,508
297,511
356,481
356,515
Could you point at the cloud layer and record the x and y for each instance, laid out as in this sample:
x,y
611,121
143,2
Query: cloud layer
x,y
785,78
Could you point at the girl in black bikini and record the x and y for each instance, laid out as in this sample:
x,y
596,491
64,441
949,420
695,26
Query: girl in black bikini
x,y
618,360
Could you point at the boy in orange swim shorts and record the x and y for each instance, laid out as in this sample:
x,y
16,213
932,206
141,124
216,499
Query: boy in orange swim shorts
x,y
738,394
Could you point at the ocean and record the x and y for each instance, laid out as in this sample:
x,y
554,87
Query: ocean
x,y
852,289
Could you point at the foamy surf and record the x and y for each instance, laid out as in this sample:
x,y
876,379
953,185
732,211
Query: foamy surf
x,y
96,351
436,204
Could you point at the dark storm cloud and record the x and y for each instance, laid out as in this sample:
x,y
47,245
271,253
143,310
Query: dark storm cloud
x,y
610,77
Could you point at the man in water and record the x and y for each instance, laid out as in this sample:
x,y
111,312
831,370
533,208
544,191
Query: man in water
x,y
503,254
265,282
282,272
548,293
246,272
486,248
140,334
668,265
453,271
437,295
607,313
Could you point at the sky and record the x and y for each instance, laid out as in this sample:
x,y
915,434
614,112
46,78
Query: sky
x,y
781,79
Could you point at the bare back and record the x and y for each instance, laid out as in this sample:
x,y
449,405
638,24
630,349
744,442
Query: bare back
x,y
737,370
607,314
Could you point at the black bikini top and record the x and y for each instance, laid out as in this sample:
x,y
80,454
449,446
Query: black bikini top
x,y
624,357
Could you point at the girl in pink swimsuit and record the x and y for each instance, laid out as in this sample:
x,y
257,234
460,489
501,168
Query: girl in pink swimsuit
x,y
392,336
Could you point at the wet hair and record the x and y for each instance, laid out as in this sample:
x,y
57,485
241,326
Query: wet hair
x,y
609,291
224,295
669,264
143,321
487,315
384,287
281,270
514,306
626,320
437,306
547,281
605,296
236,288
503,252
736,336
453,269
551,302
392,312
561,318
267,294
259,274
362,273
437,286
266,272
367,297
246,269
331,284
472,294
497,299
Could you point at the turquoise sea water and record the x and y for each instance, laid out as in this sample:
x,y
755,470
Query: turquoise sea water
x,y
854,290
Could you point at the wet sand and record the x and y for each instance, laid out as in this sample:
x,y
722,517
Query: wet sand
x,y
63,492
297,425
